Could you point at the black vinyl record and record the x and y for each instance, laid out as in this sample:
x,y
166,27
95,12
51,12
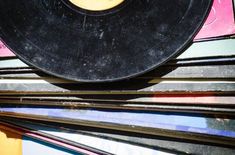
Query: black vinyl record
x,y
85,45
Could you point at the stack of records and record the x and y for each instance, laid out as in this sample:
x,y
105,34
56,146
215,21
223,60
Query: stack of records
x,y
118,77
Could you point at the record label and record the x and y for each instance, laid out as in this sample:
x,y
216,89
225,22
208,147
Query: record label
x,y
96,5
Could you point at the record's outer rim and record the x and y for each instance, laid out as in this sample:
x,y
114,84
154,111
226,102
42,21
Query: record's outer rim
x,y
177,52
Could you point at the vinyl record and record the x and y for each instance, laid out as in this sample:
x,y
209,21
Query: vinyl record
x,y
94,41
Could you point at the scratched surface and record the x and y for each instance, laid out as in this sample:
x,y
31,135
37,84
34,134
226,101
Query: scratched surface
x,y
103,48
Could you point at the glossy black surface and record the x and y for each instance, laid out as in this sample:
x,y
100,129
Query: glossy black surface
x,y
137,38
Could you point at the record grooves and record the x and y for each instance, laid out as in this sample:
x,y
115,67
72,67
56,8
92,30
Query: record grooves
x,y
96,46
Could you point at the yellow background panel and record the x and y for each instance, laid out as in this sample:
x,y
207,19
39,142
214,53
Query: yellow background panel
x,y
10,142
